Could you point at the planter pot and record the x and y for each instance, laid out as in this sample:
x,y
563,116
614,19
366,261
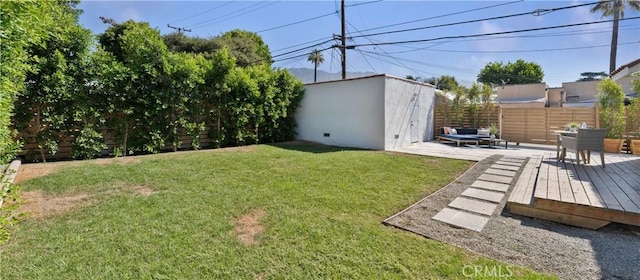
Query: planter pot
x,y
612,145
573,129
635,147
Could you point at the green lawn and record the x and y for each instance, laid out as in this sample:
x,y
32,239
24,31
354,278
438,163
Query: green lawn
x,y
323,205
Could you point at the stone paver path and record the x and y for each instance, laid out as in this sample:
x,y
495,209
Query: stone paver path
x,y
476,204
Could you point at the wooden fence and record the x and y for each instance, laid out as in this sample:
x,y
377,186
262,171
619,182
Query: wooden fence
x,y
468,118
31,152
536,125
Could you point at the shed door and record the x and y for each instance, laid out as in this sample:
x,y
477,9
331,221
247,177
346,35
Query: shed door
x,y
414,123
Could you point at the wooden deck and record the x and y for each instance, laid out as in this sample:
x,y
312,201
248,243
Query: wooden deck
x,y
585,195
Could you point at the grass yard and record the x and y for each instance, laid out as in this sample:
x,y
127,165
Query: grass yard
x,y
286,211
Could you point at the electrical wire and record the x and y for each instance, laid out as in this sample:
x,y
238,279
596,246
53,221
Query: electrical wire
x,y
440,16
236,13
297,22
539,50
204,12
489,34
472,21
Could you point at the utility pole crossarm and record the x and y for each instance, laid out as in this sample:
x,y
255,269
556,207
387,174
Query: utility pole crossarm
x,y
180,29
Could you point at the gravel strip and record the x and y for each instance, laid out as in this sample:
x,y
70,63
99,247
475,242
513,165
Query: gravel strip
x,y
612,252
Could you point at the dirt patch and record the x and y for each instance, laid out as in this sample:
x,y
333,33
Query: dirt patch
x,y
260,276
248,227
38,205
235,149
121,160
30,171
143,190
35,170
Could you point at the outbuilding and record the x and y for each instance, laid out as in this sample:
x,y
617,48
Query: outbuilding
x,y
378,112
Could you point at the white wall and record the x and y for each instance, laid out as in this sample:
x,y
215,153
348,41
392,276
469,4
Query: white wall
x,y
399,99
351,111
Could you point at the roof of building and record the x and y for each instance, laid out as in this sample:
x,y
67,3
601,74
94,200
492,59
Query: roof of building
x,y
628,65
374,76
521,100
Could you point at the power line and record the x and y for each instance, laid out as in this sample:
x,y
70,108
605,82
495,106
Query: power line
x,y
204,12
236,13
304,48
297,22
297,56
475,20
440,16
488,34
554,34
539,50
364,3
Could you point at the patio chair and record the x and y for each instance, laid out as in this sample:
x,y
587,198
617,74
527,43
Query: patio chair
x,y
587,140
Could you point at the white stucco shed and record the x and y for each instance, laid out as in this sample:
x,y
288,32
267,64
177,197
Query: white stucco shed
x,y
378,112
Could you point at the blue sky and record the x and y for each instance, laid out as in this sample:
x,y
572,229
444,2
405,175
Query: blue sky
x,y
462,58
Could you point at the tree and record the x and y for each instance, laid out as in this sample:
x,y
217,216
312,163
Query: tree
x,y
447,83
616,9
592,76
44,111
247,47
131,70
316,58
487,104
518,72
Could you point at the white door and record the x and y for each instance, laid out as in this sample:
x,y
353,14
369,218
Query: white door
x,y
414,127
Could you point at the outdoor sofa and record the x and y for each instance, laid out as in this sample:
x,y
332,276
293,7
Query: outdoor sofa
x,y
463,135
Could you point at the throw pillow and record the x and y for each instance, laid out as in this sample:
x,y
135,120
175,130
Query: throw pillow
x,y
446,130
453,131
483,132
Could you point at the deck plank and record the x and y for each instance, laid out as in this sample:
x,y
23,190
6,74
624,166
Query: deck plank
x,y
543,179
592,193
553,186
577,187
611,182
604,192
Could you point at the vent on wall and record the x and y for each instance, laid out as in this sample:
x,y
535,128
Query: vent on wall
x,y
327,134
397,136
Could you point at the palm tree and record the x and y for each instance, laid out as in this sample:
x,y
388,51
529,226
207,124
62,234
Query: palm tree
x,y
614,8
316,57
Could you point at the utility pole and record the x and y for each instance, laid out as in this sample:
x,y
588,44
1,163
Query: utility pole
x,y
180,29
343,46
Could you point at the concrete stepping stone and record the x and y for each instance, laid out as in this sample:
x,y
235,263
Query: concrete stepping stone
x,y
505,167
495,178
490,186
494,171
518,164
461,219
483,194
472,205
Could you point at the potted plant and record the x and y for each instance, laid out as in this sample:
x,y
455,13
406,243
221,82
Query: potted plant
x,y
611,101
493,130
572,126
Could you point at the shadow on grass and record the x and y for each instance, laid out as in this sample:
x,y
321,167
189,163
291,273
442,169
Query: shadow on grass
x,y
311,147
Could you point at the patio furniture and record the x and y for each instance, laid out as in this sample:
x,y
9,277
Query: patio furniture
x,y
586,140
461,135
559,134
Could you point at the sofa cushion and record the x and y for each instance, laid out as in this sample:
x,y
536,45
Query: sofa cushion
x,y
467,130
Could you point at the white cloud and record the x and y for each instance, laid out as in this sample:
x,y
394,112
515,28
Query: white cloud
x,y
583,14
491,44
130,13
